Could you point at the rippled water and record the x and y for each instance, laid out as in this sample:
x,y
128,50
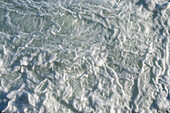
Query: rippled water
x,y
63,56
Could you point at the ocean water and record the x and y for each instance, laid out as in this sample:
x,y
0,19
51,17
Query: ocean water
x,y
84,56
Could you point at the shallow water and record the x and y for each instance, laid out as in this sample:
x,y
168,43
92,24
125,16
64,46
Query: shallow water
x,y
64,56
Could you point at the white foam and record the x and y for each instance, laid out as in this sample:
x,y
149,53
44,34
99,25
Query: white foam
x,y
85,56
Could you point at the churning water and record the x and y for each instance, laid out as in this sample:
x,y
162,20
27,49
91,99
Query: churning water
x,y
71,56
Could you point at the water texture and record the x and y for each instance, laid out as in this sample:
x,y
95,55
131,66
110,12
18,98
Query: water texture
x,y
64,56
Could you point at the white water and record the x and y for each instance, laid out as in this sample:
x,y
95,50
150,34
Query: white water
x,y
68,56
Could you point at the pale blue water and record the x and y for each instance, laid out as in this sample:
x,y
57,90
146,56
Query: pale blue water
x,y
64,56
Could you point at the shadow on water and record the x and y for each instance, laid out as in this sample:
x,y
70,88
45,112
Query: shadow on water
x,y
154,105
22,101
141,2
168,97
155,14
3,101
134,95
